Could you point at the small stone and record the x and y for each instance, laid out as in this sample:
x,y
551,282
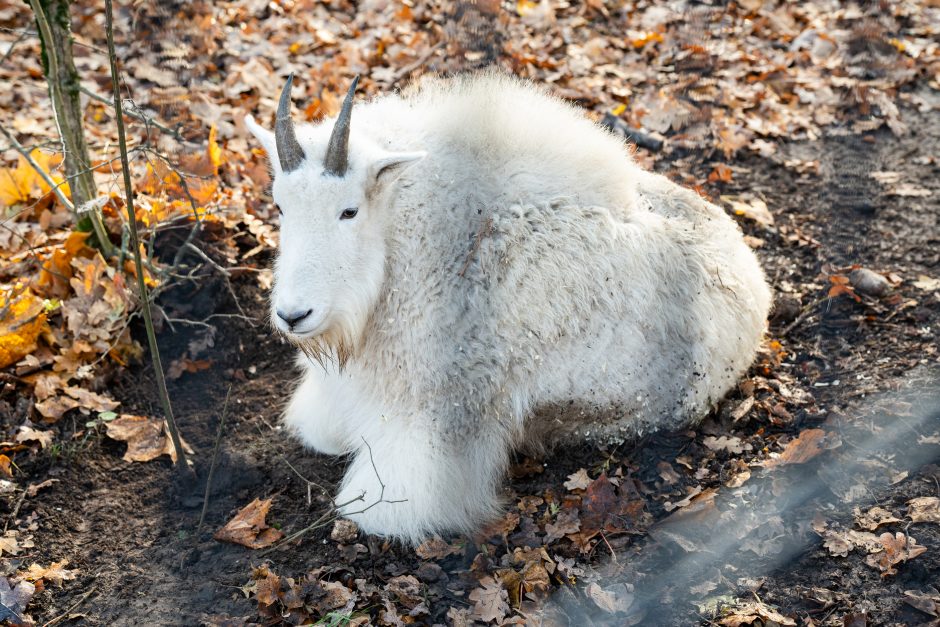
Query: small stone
x,y
868,282
786,308
344,531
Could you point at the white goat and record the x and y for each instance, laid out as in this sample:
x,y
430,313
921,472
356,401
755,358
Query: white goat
x,y
474,267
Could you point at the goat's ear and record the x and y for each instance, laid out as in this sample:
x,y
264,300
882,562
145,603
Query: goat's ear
x,y
264,136
389,167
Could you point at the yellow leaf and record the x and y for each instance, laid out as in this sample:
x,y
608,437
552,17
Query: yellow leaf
x,y
525,6
215,151
22,183
22,318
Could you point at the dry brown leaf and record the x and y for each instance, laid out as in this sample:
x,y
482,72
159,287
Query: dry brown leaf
x,y
28,434
874,518
727,443
147,438
56,573
748,613
90,400
927,602
800,450
578,480
924,509
897,548
52,409
436,548
490,601
567,522
9,543
614,600
267,585
248,527
753,209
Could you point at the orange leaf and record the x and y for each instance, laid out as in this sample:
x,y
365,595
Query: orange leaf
x,y
803,448
21,322
721,173
215,151
249,528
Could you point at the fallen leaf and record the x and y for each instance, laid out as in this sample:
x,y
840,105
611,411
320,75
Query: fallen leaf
x,y
753,209
248,527
436,548
566,522
28,434
344,531
147,438
22,318
613,600
578,480
34,488
9,543
267,585
924,509
800,450
874,518
749,612
897,548
926,283
490,601
56,573
927,602
727,443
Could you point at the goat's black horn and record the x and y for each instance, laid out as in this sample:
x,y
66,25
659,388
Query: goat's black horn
x,y
289,152
337,152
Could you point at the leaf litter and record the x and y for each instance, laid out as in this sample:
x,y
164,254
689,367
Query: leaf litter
x,y
731,82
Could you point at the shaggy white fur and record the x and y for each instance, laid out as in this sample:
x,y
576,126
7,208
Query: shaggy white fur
x,y
511,277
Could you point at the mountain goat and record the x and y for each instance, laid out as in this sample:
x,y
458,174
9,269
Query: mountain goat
x,y
473,266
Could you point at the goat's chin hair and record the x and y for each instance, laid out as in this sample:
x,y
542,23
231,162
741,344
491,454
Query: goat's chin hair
x,y
334,346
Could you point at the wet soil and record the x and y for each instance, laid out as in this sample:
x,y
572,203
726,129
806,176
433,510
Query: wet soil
x,y
131,529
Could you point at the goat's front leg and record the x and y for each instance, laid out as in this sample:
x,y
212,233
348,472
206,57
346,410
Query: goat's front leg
x,y
322,409
410,480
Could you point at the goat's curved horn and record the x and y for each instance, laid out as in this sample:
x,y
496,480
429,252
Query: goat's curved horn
x,y
337,152
289,152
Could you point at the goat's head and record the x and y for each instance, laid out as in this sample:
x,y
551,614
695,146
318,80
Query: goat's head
x,y
330,187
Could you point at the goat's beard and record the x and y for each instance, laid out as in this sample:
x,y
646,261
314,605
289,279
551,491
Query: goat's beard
x,y
324,351
334,346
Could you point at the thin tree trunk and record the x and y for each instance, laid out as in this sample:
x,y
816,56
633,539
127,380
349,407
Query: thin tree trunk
x,y
55,35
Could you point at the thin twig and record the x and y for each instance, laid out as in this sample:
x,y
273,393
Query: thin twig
x,y
18,147
215,457
181,464
806,312
71,609
16,510
332,513
140,117
9,51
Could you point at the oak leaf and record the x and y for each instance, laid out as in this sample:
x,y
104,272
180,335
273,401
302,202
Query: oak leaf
x,y
56,573
147,438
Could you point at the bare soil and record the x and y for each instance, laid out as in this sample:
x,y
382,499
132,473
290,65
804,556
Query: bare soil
x,y
870,366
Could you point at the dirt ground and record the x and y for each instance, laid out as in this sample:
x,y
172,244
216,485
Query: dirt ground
x,y
868,366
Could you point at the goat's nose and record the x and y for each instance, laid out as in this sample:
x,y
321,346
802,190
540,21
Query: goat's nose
x,y
293,317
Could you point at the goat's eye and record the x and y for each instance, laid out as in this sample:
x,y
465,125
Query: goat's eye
x,y
278,207
349,214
